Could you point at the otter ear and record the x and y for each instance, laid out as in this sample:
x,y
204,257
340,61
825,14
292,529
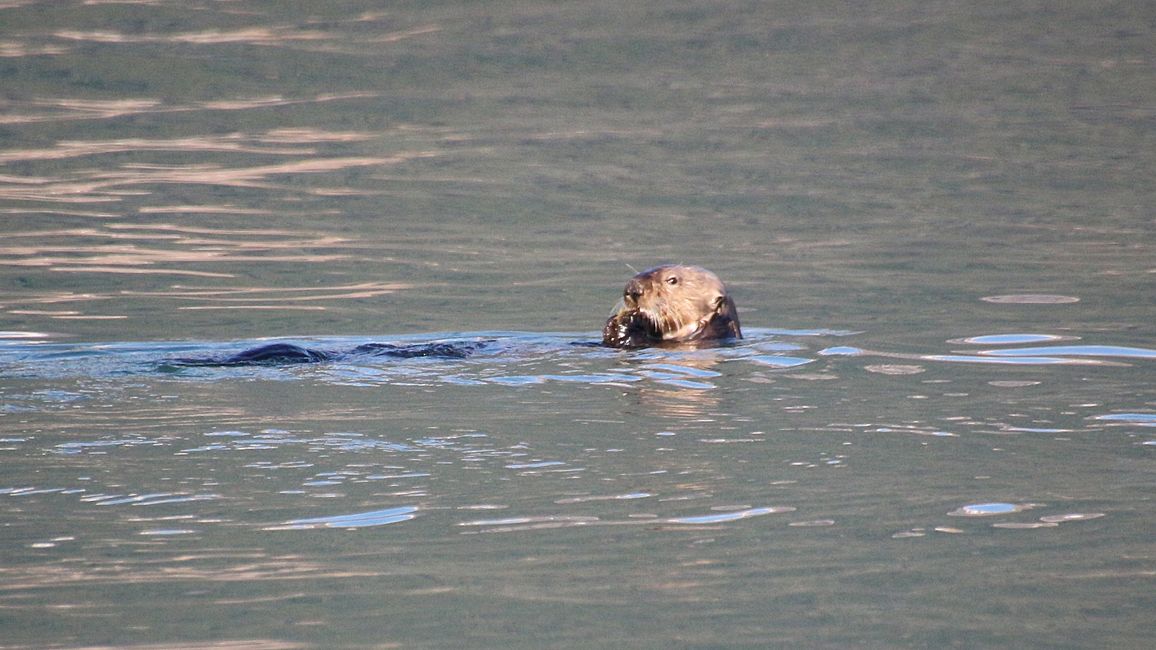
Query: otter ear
x,y
724,322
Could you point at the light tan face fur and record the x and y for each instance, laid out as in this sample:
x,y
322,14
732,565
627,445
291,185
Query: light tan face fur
x,y
678,299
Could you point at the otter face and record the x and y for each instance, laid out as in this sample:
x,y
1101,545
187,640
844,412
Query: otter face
x,y
673,304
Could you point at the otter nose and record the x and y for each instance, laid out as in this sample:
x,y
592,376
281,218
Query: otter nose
x,y
633,291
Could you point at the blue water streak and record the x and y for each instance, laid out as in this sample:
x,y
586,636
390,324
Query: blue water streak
x,y
1075,351
356,520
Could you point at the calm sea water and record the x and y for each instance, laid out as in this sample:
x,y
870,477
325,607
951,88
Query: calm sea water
x,y
936,219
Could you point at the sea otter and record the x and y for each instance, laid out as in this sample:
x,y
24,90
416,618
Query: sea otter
x,y
672,304
665,305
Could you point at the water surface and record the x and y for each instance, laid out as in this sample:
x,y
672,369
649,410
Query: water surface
x,y
935,219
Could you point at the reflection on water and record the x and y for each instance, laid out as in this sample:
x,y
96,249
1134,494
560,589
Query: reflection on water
x,y
231,143
943,212
281,36
126,253
106,186
358,520
69,109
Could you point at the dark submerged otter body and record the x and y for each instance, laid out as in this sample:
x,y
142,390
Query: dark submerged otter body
x,y
672,304
287,353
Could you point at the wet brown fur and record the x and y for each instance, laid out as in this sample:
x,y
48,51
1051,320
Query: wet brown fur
x,y
672,304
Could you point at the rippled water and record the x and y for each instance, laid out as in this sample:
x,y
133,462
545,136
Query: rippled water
x,y
542,477
935,219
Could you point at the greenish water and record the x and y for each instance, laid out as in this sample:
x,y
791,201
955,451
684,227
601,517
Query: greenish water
x,y
936,219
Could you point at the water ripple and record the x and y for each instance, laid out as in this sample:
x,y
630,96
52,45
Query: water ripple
x,y
515,524
723,517
356,520
1008,339
1075,350
777,361
71,109
152,499
1134,419
541,359
990,509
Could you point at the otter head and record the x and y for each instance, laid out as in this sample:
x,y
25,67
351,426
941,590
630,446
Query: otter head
x,y
672,304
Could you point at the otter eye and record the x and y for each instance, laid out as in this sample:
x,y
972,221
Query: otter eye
x,y
672,280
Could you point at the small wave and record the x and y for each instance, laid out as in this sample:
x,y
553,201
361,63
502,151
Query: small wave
x,y
1075,351
723,517
154,499
991,509
1010,339
355,520
1134,419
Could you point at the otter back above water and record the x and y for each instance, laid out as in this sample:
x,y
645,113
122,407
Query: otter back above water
x,y
665,305
289,353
